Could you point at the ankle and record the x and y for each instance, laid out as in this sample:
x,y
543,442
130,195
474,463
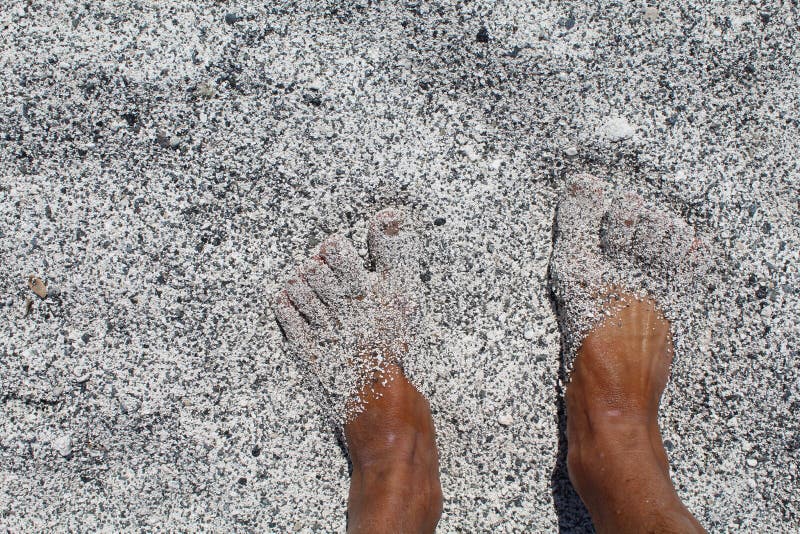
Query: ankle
x,y
402,497
621,475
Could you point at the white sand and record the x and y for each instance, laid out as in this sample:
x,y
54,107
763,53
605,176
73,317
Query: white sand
x,y
164,169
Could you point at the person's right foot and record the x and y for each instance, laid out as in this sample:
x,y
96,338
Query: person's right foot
x,y
616,460
352,329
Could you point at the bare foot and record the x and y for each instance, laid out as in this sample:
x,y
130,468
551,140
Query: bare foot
x,y
616,460
351,329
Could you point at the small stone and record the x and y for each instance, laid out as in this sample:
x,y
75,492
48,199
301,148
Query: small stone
x,y
617,129
505,420
529,334
37,286
425,276
761,293
63,445
206,90
752,462
438,221
571,151
232,18
483,35
569,23
650,13
470,153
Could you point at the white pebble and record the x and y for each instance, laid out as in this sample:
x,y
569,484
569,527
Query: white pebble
x,y
571,151
529,334
63,445
617,129
650,13
505,420
752,462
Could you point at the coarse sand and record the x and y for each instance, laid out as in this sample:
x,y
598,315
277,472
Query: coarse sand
x,y
166,166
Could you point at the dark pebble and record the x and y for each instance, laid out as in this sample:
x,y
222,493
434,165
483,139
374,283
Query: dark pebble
x,y
761,292
483,35
765,18
668,445
130,118
256,451
569,23
242,481
86,337
438,221
314,100
425,277
232,18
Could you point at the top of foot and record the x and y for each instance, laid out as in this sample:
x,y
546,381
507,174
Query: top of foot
x,y
610,250
347,324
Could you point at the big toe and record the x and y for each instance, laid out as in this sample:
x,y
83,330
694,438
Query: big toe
x,y
579,213
393,244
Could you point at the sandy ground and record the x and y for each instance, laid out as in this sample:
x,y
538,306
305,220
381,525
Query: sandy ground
x,y
162,169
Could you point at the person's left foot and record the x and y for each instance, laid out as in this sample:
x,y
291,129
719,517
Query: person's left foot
x,y
351,328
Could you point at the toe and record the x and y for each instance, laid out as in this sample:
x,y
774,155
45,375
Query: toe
x,y
294,327
341,257
393,244
323,282
306,302
647,234
620,223
579,213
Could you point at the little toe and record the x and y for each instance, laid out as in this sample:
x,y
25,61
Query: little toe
x,y
293,325
579,213
307,303
393,244
340,255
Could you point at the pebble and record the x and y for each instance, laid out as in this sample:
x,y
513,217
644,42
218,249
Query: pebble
x,y
63,445
571,151
650,13
505,420
752,462
617,129
529,334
